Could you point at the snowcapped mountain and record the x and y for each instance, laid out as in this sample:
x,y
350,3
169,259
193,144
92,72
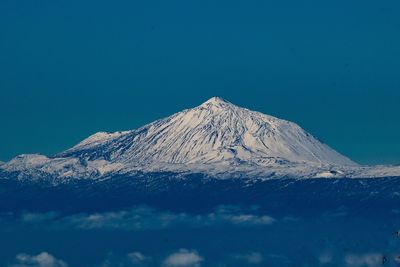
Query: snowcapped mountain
x,y
214,132
217,138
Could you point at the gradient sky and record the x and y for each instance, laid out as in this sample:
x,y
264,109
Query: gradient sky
x,y
70,68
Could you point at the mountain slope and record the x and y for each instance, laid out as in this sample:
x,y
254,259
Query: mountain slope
x,y
216,132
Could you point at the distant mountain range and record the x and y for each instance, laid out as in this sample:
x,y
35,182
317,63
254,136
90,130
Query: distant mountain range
x,y
217,139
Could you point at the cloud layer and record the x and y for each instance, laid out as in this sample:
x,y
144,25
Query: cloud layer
x,y
43,259
142,218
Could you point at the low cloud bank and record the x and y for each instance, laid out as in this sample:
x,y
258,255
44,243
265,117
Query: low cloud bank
x,y
143,218
43,259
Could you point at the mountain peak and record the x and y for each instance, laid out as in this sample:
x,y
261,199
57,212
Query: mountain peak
x,y
217,131
216,101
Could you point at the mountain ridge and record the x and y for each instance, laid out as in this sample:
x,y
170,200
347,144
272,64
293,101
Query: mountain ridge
x,y
215,131
216,138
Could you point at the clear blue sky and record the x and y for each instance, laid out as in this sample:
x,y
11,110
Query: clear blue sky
x,y
73,67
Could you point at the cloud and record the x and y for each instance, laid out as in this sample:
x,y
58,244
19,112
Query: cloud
x,y
38,217
250,219
43,259
325,258
250,258
364,260
139,218
131,259
238,216
146,218
136,257
183,258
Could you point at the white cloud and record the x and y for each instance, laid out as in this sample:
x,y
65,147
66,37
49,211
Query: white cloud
x,y
43,259
364,260
250,258
183,258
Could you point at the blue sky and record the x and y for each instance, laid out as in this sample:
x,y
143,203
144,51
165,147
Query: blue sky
x,y
71,68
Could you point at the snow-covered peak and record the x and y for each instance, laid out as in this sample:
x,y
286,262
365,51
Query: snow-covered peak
x,y
216,104
217,138
216,101
216,132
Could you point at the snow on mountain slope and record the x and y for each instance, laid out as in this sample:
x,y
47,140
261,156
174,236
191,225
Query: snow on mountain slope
x,y
216,132
216,138
99,138
39,166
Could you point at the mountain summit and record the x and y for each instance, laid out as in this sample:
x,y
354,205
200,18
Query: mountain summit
x,y
216,132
